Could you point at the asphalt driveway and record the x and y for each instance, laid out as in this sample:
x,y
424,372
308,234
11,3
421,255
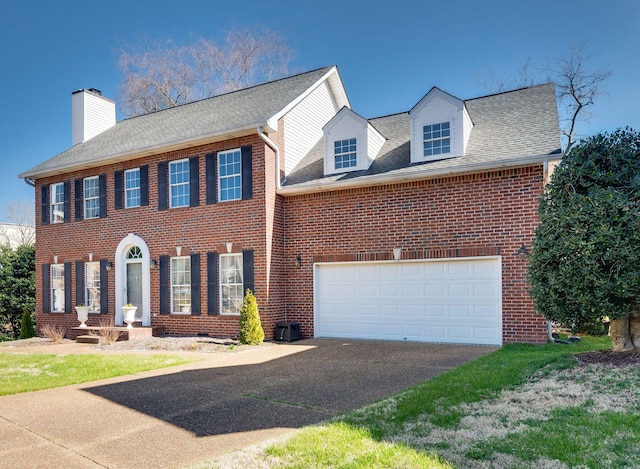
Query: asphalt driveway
x,y
193,412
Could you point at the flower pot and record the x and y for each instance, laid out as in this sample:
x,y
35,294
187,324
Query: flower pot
x,y
186,308
83,315
129,313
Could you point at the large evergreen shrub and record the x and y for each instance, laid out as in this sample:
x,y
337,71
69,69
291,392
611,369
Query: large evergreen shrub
x,y
251,332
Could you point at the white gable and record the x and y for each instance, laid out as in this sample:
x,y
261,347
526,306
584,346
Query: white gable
x,y
347,126
437,108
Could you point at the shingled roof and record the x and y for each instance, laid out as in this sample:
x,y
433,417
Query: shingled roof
x,y
224,116
509,129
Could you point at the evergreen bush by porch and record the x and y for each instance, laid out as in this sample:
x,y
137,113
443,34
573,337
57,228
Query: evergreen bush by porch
x,y
27,329
251,332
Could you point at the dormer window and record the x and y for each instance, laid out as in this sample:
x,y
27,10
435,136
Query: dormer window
x,y
345,153
351,143
437,139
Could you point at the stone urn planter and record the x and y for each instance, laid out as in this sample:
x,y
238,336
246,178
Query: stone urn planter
x,y
83,315
129,312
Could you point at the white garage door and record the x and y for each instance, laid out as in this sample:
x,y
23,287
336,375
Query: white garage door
x,y
451,301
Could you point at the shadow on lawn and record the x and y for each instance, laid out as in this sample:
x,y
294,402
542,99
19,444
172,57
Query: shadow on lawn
x,y
291,392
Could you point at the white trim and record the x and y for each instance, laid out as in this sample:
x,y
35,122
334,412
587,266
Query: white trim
x,y
121,277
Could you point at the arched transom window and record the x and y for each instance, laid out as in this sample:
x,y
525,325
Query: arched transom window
x,y
134,253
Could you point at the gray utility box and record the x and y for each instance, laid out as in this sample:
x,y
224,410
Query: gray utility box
x,y
287,331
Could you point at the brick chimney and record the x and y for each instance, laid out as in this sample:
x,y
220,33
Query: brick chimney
x,y
91,114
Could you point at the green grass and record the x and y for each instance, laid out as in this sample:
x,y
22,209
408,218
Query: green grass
x,y
34,371
377,436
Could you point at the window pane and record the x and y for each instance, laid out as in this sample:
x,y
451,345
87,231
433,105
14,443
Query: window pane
x,y
179,183
91,198
345,153
230,175
92,285
56,195
231,283
436,139
180,284
57,287
132,188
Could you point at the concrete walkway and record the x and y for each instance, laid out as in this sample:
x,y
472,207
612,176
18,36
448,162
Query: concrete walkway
x,y
184,414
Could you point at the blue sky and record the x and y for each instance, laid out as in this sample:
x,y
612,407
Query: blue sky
x,y
389,54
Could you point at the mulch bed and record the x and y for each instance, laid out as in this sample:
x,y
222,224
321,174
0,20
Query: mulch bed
x,y
608,357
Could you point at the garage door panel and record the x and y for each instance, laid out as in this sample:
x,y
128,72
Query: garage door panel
x,y
454,301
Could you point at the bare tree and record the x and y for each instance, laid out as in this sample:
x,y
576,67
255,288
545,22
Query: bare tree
x,y
576,87
158,76
20,227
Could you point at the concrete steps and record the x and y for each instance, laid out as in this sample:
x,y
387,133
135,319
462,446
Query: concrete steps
x,y
90,333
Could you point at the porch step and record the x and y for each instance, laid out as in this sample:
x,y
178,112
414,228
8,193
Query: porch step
x,y
125,334
88,339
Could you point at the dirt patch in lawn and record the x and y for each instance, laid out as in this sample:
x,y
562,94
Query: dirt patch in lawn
x,y
608,357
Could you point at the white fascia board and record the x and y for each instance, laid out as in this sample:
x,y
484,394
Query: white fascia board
x,y
416,175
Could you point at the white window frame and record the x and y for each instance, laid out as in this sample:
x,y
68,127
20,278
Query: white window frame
x,y
56,284
132,192
91,193
438,136
56,203
180,292
229,281
92,286
181,186
347,151
228,172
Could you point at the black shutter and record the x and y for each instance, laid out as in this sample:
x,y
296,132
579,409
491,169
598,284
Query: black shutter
x,y
79,195
212,283
144,185
162,185
118,188
211,163
247,272
104,287
194,181
195,285
46,289
247,173
164,284
80,299
44,205
67,287
66,187
102,188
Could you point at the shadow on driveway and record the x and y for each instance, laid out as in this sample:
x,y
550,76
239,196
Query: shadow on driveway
x,y
293,391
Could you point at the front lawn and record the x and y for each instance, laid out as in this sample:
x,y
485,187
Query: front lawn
x,y
23,372
523,406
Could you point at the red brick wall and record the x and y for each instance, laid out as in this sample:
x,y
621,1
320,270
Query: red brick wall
x,y
486,213
199,229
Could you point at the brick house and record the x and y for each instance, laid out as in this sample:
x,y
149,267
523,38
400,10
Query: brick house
x,y
403,227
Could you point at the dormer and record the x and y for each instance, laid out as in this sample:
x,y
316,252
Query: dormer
x,y
351,143
440,127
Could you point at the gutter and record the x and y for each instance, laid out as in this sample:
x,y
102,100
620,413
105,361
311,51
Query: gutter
x,y
275,148
29,182
416,175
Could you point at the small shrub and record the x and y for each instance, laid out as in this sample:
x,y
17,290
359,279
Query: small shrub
x,y
27,328
251,332
54,333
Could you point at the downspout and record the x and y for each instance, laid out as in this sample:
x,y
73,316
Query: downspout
x,y
30,182
275,148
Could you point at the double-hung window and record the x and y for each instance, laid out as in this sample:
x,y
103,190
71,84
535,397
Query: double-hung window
x,y
230,175
91,197
56,196
92,286
231,283
179,183
57,288
181,284
344,152
436,139
132,188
